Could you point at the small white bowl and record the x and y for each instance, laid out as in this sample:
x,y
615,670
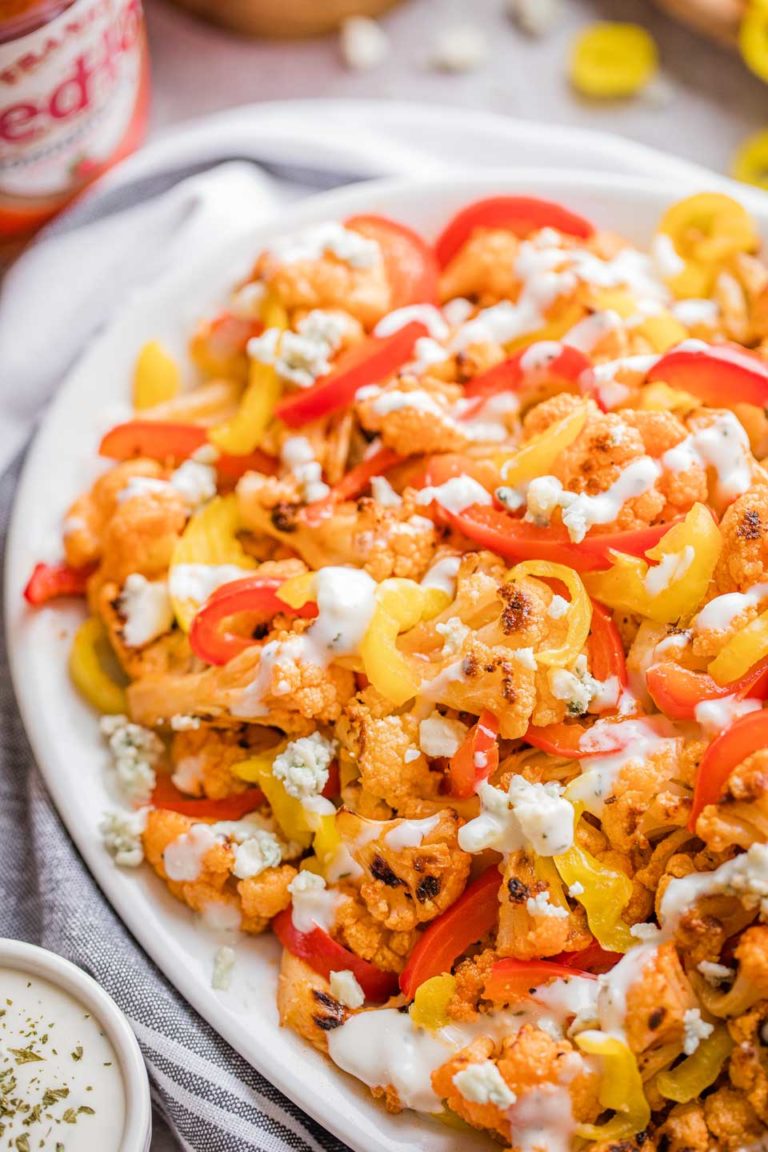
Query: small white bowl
x,y
67,978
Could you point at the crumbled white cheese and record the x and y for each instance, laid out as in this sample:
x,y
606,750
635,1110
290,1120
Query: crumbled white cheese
x,y
525,657
121,833
363,43
441,736
535,17
196,582
346,989
298,454
456,494
383,492
454,632
460,48
195,482
576,889
526,815
303,765
182,723
745,876
136,754
327,239
558,607
694,1030
715,974
645,932
223,964
576,687
482,1083
141,486
145,606
411,754
313,905
305,354
262,850
540,905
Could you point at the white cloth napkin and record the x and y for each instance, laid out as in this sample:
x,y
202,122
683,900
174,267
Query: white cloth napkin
x,y
187,193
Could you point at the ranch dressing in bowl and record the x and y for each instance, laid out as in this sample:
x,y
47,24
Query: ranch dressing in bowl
x,y
71,1074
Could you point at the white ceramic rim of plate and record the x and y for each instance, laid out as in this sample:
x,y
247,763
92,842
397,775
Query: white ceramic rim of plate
x,y
449,192
50,966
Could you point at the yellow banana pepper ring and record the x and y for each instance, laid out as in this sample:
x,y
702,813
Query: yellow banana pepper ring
x,y
210,538
606,892
245,431
156,376
750,163
612,60
662,332
298,590
621,1089
688,1079
706,230
539,454
753,39
741,652
675,586
88,674
579,614
400,606
430,1004
295,823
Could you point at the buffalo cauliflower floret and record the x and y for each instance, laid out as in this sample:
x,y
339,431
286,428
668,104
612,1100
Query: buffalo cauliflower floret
x,y
534,919
251,902
167,655
414,869
484,268
747,1067
356,929
740,817
305,1003
685,1129
660,432
203,758
386,752
651,793
530,1060
731,1120
385,541
141,535
281,689
657,1002
327,282
744,527
87,517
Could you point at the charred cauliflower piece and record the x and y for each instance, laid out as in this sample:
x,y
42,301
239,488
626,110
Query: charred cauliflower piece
x,y
305,1003
414,869
385,750
740,818
744,559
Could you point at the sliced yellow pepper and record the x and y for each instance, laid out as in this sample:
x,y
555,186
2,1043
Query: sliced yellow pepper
x,y
676,585
662,332
611,60
744,649
88,674
566,315
538,455
245,431
621,1089
430,1004
400,606
693,1075
579,614
298,590
156,376
614,300
209,538
295,823
750,163
327,841
659,397
606,893
706,230
753,39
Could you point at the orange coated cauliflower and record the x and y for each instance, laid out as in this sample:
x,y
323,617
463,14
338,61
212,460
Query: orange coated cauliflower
x,y
534,919
356,929
386,753
740,817
87,518
744,559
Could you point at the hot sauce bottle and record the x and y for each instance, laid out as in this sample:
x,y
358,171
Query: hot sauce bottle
x,y
74,89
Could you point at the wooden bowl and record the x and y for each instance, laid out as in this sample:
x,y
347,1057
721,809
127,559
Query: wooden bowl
x,y
283,18
717,19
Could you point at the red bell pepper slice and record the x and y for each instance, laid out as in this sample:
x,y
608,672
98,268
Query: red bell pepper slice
x,y
477,758
606,650
515,539
568,366
677,691
358,478
717,374
166,795
161,440
410,263
747,735
368,362
512,979
564,739
253,594
324,955
470,918
227,334
592,960
55,581
519,214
